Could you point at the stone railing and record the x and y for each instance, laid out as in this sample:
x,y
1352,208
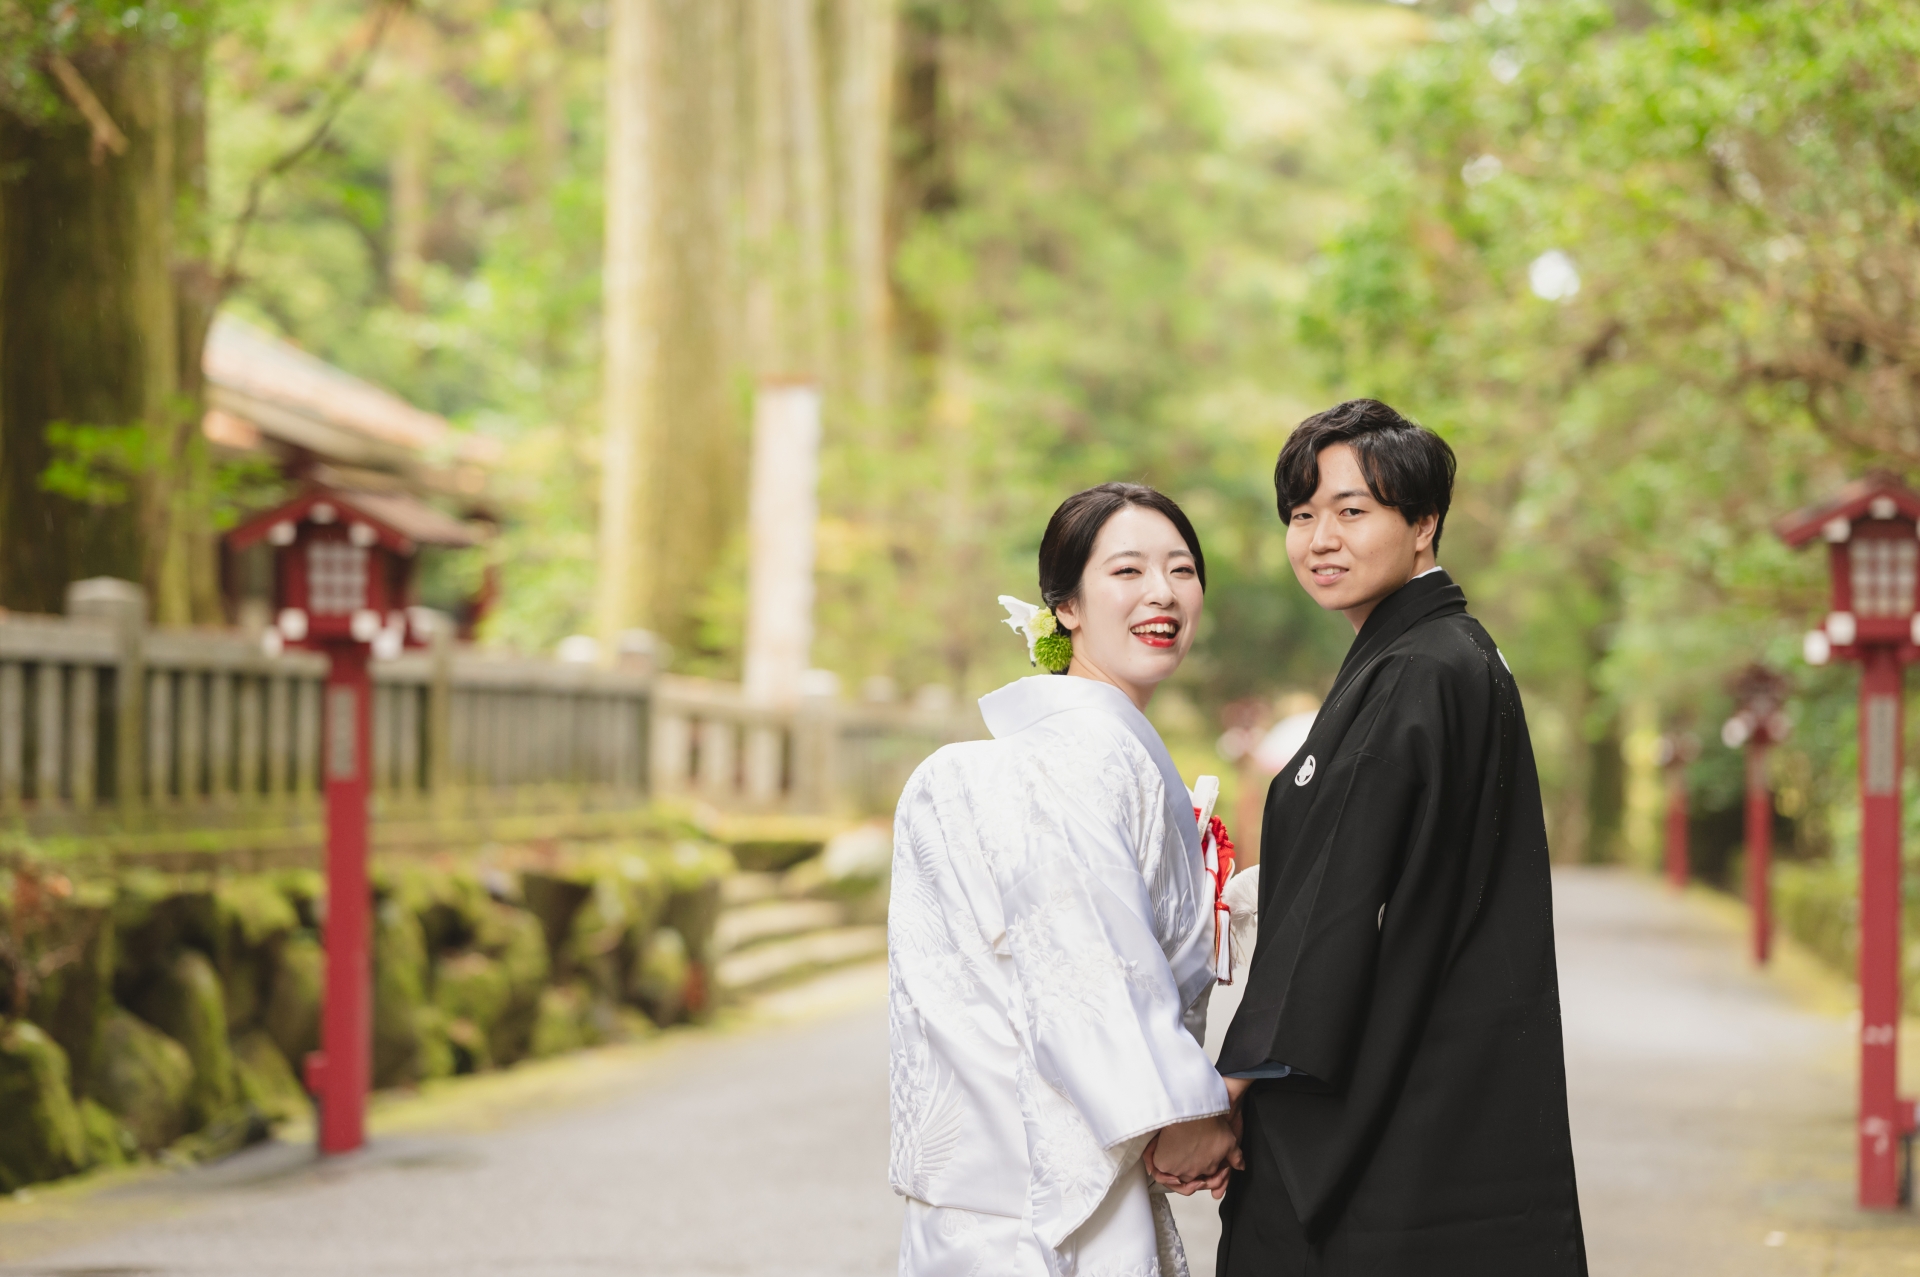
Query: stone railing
x,y
140,739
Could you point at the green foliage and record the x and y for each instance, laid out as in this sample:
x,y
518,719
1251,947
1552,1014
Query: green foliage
x,y
1646,277
104,466
33,31
94,464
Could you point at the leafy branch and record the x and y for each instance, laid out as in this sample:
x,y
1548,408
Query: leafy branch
x,y
229,274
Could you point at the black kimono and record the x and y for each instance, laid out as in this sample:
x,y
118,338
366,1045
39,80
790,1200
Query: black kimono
x,y
1405,973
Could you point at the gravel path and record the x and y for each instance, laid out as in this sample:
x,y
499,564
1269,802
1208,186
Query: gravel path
x,y
1710,1113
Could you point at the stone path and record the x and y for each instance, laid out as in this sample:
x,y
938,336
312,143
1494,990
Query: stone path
x,y
1711,1120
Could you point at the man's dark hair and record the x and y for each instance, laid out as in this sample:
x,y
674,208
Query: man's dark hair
x,y
1407,466
1074,527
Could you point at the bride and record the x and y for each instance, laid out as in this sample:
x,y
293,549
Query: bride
x,y
1051,935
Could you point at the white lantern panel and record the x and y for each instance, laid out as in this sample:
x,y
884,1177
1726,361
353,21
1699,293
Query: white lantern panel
x,y
336,578
1883,577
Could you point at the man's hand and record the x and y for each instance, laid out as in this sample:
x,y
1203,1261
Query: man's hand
x,y
1190,1156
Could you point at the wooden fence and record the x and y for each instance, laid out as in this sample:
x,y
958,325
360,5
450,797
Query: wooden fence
x,y
137,739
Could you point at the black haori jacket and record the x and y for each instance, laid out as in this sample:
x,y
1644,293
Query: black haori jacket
x,y
1405,971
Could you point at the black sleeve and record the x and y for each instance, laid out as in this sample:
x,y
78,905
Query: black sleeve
x,y
1310,984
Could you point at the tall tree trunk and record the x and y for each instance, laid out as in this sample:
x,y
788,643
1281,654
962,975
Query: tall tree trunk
x,y
673,489
807,154
104,284
634,311
410,166
866,33
701,508
770,340
193,547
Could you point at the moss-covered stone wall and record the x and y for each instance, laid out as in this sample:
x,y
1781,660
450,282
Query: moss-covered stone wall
x,y
144,1013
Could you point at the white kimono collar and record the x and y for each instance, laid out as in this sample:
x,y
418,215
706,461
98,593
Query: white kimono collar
x,y
1024,702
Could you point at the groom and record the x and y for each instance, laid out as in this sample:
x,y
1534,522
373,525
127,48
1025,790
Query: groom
x,y
1396,1058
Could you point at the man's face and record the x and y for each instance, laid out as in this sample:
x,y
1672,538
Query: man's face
x,y
1348,550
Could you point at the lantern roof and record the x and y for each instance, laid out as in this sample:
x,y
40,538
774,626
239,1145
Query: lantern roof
x,y
1858,500
400,521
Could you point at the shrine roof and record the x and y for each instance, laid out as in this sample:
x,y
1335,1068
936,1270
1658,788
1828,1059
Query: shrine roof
x,y
1852,502
258,384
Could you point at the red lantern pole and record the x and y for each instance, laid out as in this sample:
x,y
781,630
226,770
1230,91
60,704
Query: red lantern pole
x,y
1760,724
1678,868
1882,683
341,587
1677,749
343,1071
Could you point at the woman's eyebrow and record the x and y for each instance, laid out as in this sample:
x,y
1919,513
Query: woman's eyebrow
x,y
1141,554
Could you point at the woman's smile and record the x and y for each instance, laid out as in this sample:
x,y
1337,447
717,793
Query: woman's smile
x,y
1159,631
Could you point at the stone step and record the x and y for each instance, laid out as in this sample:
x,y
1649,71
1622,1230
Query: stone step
x,y
749,888
770,919
764,962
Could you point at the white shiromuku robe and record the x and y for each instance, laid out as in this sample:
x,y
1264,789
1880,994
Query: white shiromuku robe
x,y
1050,926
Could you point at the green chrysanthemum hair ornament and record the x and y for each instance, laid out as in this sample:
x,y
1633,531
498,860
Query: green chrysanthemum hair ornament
x,y
1048,646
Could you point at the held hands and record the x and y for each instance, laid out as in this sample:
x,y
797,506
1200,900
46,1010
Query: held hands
x,y
1189,1156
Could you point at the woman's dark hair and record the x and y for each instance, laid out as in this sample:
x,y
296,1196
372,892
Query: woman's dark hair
x,y
1074,527
1406,465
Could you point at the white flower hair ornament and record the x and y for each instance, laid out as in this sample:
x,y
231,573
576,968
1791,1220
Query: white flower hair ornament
x,y
1048,646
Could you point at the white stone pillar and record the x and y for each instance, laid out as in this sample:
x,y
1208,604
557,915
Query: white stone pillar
x,y
782,508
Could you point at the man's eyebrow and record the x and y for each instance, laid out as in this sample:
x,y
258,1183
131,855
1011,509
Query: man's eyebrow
x,y
1353,492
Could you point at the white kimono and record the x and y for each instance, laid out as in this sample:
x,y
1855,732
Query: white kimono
x,y
1051,921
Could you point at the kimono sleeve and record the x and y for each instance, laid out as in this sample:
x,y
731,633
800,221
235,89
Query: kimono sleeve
x,y
1311,987
1320,970
1097,1004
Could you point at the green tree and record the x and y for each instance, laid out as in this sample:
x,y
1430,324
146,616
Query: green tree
x,y
106,290
1649,276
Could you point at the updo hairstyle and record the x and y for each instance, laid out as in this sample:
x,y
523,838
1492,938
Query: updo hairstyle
x,y
1075,526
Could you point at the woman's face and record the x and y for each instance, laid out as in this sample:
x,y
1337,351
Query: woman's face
x,y
1133,620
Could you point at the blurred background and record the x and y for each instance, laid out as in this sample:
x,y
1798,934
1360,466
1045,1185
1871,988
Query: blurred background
x,y
1648,265
1645,265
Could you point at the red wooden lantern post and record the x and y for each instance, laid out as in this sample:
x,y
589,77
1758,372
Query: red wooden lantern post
x,y
340,581
1758,726
1870,531
1677,749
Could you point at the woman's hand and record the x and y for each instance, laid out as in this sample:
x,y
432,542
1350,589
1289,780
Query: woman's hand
x,y
1236,1088
1190,1156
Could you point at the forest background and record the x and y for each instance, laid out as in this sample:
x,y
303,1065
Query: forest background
x,y
1652,267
